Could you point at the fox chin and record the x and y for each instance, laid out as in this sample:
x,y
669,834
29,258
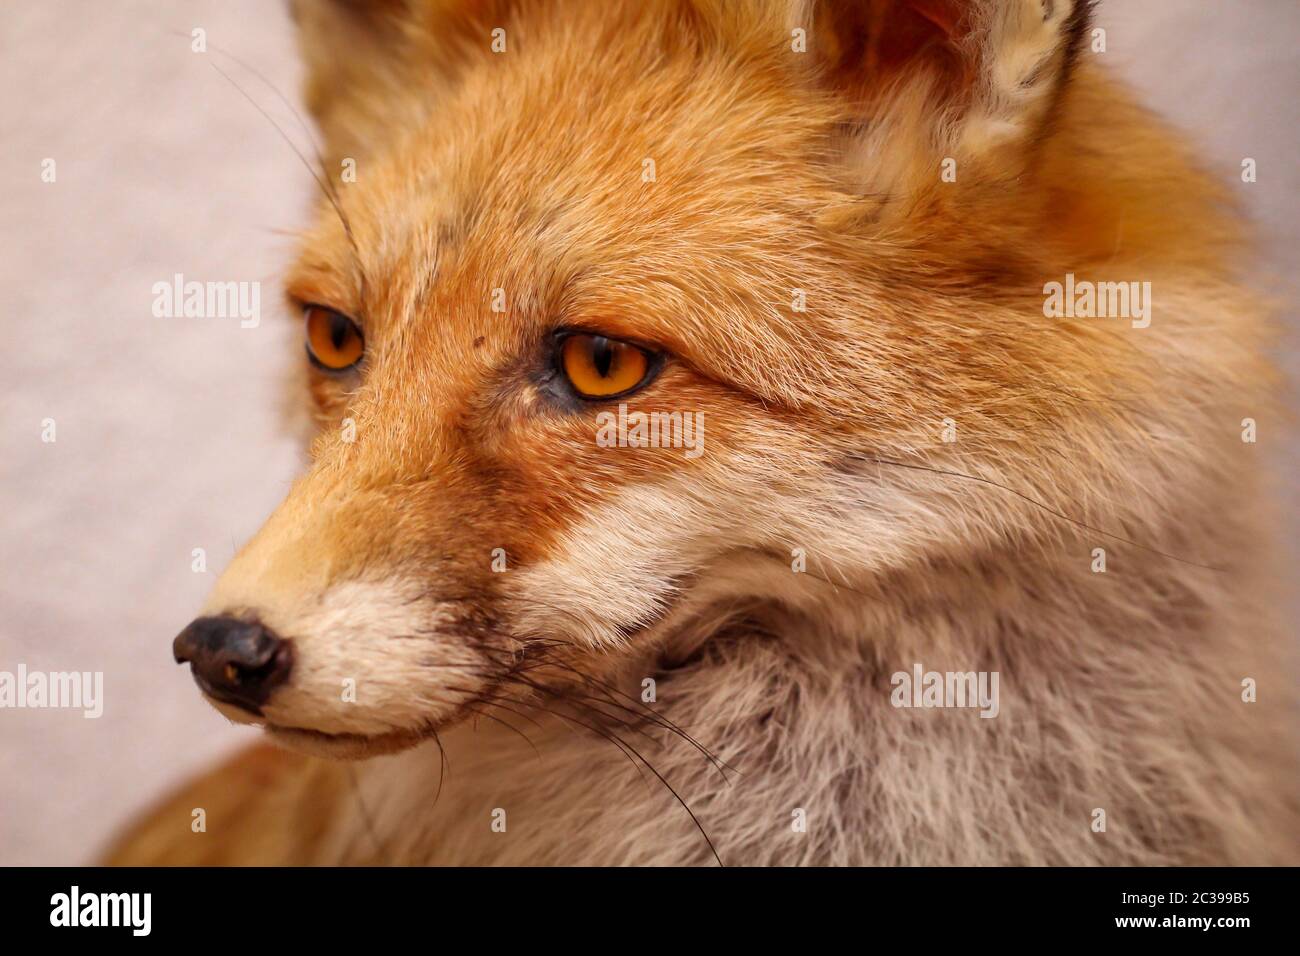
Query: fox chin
x,y
686,381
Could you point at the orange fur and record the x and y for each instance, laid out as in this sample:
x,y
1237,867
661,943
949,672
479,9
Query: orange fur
x,y
775,171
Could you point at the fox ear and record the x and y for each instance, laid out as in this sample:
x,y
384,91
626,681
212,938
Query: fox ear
x,y
968,81
365,57
351,49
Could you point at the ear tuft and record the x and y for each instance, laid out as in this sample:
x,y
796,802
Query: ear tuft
x,y
349,47
1028,51
970,82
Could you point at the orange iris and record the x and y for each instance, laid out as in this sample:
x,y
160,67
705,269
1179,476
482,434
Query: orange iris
x,y
598,367
333,339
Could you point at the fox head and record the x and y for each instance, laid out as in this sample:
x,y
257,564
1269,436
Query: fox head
x,y
619,314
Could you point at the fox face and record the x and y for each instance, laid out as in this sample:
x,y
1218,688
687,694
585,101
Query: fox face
x,y
619,316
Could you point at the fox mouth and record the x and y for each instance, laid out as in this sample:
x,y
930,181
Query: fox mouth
x,y
320,743
344,746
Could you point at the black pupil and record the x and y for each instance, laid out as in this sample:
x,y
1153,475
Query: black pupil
x,y
338,330
602,355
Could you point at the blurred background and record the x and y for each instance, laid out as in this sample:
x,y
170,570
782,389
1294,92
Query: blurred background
x,y
171,433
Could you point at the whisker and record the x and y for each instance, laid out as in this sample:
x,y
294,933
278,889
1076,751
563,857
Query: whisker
x,y
444,764
647,712
321,177
366,818
505,723
669,787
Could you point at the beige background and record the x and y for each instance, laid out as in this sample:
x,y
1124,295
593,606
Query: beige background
x,y
169,432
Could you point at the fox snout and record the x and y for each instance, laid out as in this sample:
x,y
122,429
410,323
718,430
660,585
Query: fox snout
x,y
234,661
352,622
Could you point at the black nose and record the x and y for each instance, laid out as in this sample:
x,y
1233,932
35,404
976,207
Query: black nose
x,y
236,661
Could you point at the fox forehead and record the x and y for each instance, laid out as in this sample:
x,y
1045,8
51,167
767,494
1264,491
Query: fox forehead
x,y
518,203
657,206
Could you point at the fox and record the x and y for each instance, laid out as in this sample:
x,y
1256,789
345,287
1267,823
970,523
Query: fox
x,y
830,237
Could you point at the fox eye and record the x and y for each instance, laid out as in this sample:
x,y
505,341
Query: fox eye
x,y
600,367
334,342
